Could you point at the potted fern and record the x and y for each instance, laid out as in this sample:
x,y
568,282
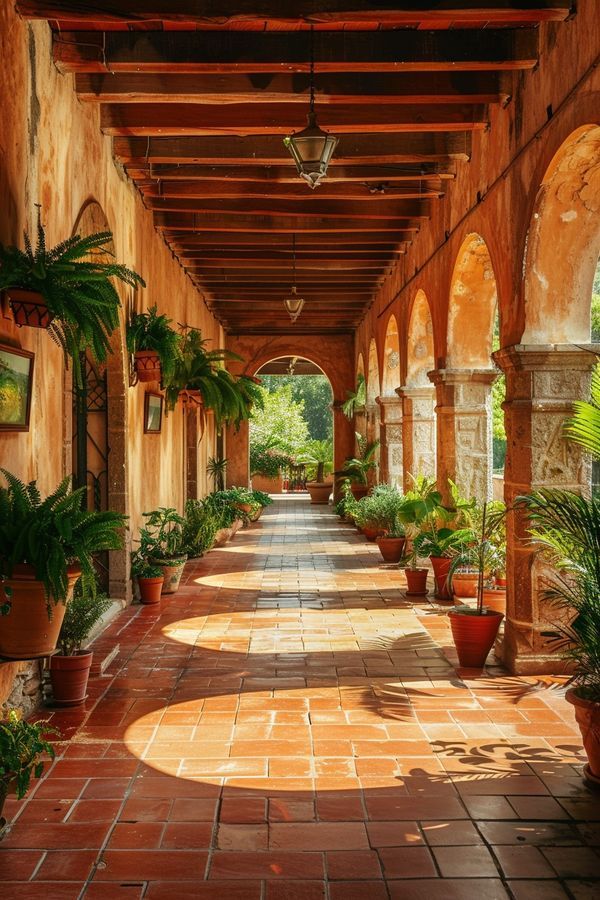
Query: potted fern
x,y
154,345
67,290
23,747
70,667
162,539
358,468
46,546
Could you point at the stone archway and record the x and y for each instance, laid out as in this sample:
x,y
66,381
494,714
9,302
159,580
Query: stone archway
x,y
112,485
418,395
464,386
373,392
391,408
547,371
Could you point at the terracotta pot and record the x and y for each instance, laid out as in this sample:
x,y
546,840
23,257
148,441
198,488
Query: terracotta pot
x,y
26,632
474,636
268,485
147,365
441,567
172,571
255,516
371,532
223,535
359,490
464,584
416,580
319,491
237,524
150,589
587,714
495,598
69,677
391,548
29,308
244,507
500,582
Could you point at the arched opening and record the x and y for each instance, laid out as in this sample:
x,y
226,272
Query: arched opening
x,y
418,394
469,408
96,430
372,409
291,438
391,408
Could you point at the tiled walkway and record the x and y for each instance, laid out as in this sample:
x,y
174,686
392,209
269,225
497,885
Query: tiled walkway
x,y
290,727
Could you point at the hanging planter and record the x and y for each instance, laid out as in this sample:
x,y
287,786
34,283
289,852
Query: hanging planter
x,y
29,308
154,345
147,365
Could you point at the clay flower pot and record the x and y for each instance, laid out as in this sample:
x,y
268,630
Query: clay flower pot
x,y
495,598
244,507
147,365
25,631
371,532
319,491
359,490
172,571
29,308
464,584
441,567
474,635
416,581
587,714
391,548
69,677
223,535
150,589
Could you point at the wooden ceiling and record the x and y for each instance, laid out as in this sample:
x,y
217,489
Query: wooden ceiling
x,y
198,95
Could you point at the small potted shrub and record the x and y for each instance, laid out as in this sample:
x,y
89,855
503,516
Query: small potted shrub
x,y
267,462
154,344
45,547
203,519
417,505
358,468
391,537
68,290
70,667
318,456
441,544
474,629
162,539
23,746
148,576
263,500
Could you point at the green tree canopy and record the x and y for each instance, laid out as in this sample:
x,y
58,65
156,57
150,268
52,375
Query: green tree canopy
x,y
281,422
315,391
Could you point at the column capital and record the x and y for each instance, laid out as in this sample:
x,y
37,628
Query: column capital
x,y
414,393
389,400
463,376
547,357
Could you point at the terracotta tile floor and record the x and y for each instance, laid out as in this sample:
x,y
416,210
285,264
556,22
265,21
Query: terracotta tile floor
x,y
290,727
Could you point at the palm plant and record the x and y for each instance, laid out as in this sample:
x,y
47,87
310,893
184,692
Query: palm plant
x,y
357,399
357,468
75,281
319,456
151,331
216,469
583,427
476,551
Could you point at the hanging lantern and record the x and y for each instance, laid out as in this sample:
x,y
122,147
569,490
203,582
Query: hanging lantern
x,y
293,302
312,148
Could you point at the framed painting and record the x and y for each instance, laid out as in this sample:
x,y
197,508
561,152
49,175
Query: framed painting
x,y
153,410
16,385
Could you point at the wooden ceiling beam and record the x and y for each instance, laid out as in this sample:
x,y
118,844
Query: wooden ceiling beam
x,y
270,150
291,224
222,52
253,259
311,206
265,88
285,174
316,12
173,120
305,243
425,190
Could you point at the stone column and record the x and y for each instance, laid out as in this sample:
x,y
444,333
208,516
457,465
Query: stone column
x,y
541,383
343,440
464,429
373,434
418,431
391,439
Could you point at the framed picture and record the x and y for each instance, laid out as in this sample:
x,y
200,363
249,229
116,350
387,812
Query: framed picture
x,y
16,383
153,409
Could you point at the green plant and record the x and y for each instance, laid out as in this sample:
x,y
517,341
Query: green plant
x,y
151,331
81,615
216,469
420,504
22,747
566,528
318,455
75,282
267,459
261,498
162,537
203,518
357,469
53,533
478,553
583,427
141,567
385,504
355,400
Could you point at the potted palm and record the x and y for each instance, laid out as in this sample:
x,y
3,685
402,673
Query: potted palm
x,y
23,748
70,667
148,576
68,290
154,345
46,546
418,504
162,540
474,629
216,469
318,456
358,468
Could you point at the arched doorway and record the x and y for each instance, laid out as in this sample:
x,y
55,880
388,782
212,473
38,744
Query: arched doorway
x,y
464,387
418,394
391,408
96,438
372,409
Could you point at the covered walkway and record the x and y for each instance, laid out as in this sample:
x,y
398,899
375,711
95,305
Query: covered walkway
x,y
291,726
